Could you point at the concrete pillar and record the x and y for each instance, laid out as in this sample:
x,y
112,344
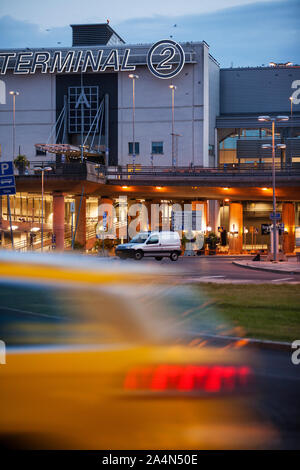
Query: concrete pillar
x,y
81,217
147,215
235,228
47,211
288,219
214,215
59,219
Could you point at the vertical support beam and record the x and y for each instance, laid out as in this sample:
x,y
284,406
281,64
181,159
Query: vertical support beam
x,y
288,218
80,215
214,215
235,228
59,219
147,222
106,130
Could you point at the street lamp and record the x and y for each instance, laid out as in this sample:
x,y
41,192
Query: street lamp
x,y
273,120
173,88
42,170
14,94
133,77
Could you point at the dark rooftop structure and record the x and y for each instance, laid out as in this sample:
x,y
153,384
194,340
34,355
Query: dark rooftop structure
x,y
100,34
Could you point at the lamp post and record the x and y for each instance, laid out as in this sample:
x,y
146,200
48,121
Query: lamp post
x,y
173,88
133,77
273,120
42,170
14,94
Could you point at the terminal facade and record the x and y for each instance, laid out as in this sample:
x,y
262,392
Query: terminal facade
x,y
111,120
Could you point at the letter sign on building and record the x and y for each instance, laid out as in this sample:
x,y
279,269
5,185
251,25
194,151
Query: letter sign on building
x,y
165,59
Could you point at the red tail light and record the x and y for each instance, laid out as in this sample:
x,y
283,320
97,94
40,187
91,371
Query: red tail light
x,y
188,378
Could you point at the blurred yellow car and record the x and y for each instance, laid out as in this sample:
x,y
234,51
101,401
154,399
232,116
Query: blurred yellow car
x,y
98,358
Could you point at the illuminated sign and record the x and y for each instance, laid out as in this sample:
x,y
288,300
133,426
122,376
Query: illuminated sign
x,y
167,49
166,54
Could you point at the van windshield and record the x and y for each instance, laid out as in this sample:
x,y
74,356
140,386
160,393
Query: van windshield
x,y
140,238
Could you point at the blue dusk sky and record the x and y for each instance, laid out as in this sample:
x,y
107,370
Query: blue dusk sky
x,y
239,32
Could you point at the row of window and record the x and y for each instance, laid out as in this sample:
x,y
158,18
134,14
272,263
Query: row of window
x,y
157,148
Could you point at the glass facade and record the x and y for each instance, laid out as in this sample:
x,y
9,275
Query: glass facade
x,y
228,147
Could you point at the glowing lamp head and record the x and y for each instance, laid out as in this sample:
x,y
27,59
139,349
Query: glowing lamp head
x,y
264,118
282,118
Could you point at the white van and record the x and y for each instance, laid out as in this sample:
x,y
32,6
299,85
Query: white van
x,y
151,244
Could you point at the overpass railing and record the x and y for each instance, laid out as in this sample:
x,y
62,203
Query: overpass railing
x,y
123,173
94,170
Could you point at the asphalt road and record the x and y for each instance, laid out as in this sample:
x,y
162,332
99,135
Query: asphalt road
x,y
279,384
277,379
276,401
219,269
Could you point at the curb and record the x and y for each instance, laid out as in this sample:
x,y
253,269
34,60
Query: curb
x,y
271,270
251,342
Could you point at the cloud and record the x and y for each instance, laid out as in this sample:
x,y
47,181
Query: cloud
x,y
248,35
22,34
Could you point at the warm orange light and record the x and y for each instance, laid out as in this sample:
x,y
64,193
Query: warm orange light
x,y
265,189
124,187
158,187
226,200
226,189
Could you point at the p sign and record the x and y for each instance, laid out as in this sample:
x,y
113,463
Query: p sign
x,y
6,168
2,92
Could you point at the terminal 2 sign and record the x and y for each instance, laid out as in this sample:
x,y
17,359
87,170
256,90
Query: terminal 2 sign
x,y
165,59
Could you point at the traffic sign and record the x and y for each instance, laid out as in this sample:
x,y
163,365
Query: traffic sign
x,y
276,216
7,179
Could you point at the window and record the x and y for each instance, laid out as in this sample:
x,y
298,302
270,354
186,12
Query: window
x,y
40,152
153,240
157,148
88,98
136,147
211,150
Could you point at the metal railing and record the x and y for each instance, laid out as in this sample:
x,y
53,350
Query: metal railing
x,y
92,170
215,172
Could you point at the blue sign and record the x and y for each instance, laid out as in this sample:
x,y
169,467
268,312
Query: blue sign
x,y
276,216
7,179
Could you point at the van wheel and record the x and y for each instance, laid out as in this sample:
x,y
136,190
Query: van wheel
x,y
158,258
174,256
138,255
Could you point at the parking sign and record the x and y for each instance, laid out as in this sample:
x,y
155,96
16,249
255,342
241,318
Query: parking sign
x,y
7,179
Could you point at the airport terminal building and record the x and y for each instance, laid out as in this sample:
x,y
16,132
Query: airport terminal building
x,y
153,123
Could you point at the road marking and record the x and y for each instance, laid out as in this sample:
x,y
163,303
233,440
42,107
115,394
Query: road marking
x,y
283,279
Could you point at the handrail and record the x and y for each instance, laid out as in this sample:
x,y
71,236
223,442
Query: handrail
x,y
128,172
